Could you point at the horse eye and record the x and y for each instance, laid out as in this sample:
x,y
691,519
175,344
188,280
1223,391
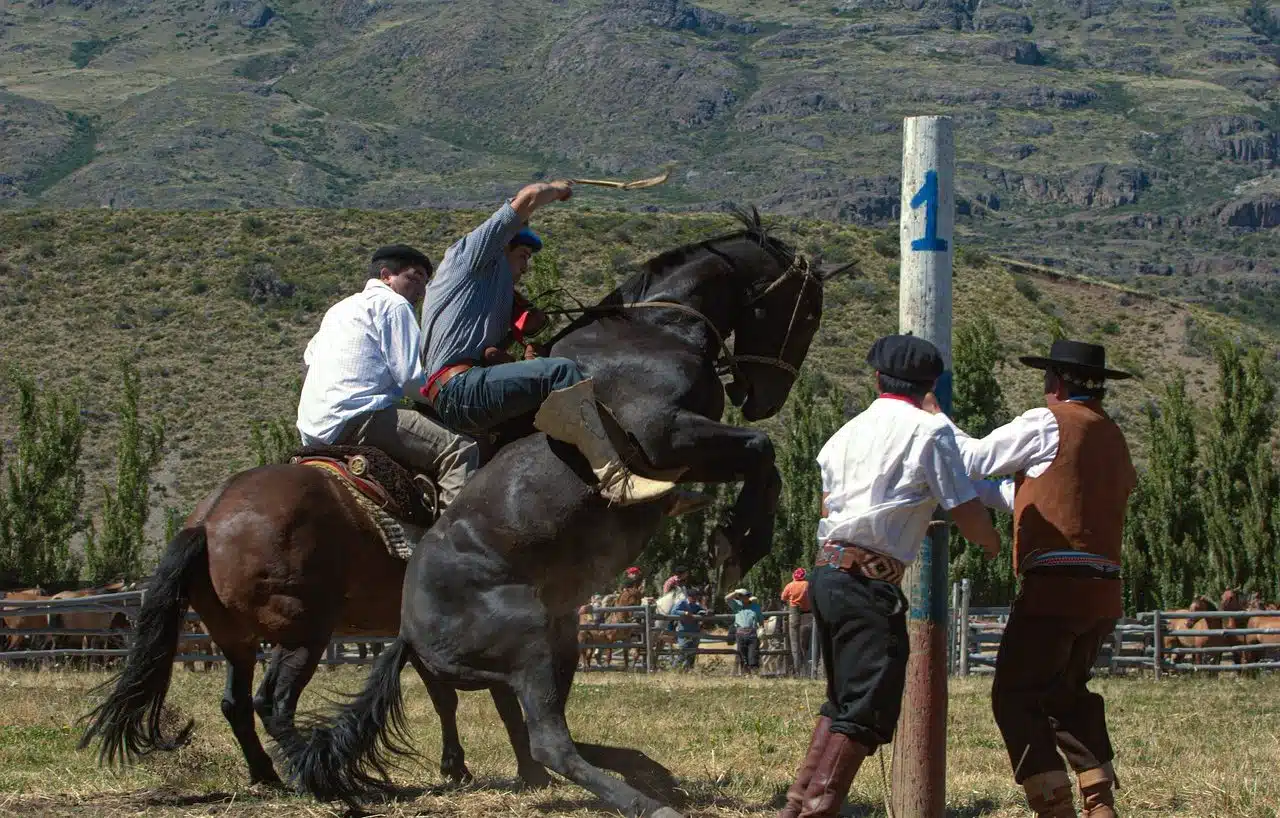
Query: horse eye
x,y
760,314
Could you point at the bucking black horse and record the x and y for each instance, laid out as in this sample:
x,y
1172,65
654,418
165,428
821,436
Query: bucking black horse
x,y
492,590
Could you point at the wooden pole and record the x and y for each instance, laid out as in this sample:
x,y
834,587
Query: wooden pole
x,y
924,309
965,647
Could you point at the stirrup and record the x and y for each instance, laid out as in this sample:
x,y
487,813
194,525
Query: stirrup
x,y
430,495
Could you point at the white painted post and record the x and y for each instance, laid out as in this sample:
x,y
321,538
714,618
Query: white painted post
x,y
924,309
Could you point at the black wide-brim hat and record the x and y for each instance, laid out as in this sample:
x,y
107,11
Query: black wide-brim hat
x,y
1087,360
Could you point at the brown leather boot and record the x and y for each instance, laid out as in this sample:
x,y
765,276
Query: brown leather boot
x,y
1050,795
817,742
1096,791
839,763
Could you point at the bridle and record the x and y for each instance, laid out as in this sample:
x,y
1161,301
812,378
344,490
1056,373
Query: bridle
x,y
728,361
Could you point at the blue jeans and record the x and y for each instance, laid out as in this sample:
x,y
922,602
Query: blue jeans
x,y
482,397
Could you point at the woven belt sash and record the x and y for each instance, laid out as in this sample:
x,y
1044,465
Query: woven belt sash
x,y
1068,558
855,559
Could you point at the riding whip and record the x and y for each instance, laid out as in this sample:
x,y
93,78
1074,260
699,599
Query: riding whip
x,y
636,184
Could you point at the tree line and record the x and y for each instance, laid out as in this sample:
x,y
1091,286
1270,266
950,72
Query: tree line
x,y
42,488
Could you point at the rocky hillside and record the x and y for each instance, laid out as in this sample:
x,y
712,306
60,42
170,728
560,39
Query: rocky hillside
x,y
1135,139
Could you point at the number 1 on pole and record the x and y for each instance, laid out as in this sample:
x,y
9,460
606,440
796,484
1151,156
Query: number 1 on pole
x,y
927,195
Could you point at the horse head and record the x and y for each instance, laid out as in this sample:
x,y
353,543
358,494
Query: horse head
x,y
1231,601
777,317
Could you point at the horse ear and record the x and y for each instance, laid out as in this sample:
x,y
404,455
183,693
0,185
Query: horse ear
x,y
826,272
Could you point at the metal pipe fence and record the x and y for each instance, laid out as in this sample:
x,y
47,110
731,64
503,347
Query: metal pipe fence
x,y
1153,641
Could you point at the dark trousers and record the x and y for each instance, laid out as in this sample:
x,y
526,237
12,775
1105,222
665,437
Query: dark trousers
x,y
482,397
1039,695
862,635
748,645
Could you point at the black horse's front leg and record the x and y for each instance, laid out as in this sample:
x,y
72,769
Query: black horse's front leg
x,y
714,452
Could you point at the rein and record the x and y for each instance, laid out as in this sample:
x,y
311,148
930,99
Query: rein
x,y
799,266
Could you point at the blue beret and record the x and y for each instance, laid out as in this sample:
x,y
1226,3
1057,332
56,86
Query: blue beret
x,y
528,238
906,357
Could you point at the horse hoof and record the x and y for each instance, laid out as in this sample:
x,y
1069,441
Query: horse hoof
x,y
539,780
459,777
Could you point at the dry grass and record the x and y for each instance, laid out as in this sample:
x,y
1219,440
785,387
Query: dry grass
x,y
1188,747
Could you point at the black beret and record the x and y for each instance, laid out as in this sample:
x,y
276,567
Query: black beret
x,y
402,252
906,357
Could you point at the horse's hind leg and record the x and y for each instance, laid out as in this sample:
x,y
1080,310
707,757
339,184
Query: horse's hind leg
x,y
444,698
237,706
533,774
294,668
264,699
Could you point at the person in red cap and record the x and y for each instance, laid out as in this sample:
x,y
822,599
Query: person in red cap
x,y
795,595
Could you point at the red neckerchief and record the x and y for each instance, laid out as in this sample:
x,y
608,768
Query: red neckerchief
x,y
902,398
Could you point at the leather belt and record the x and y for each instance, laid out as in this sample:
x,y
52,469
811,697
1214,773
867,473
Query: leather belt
x,y
854,559
438,380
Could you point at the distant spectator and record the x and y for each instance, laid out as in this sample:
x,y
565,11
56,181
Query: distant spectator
x,y
632,578
679,577
747,617
689,627
799,620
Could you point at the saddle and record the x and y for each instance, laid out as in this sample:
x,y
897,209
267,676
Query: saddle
x,y
383,488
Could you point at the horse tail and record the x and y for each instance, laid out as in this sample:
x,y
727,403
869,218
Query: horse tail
x,y
130,720
348,759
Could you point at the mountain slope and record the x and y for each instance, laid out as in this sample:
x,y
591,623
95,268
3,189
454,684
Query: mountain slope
x,y
1127,138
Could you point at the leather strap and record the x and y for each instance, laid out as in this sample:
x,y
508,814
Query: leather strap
x,y
438,380
854,559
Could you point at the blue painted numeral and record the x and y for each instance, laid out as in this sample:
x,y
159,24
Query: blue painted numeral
x,y
928,196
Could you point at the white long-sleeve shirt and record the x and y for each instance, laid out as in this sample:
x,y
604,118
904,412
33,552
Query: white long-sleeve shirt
x,y
1027,443
884,472
363,358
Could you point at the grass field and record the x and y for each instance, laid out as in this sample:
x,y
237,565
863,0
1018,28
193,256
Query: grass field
x,y
1208,748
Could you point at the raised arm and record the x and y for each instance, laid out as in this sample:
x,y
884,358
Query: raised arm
x,y
532,197
1028,439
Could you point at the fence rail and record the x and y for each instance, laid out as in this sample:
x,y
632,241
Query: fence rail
x,y
1154,641
1151,641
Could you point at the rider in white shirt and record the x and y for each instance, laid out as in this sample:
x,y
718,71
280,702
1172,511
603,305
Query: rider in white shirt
x,y
360,364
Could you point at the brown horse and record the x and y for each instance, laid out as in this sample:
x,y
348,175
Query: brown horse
x,y
1172,643
24,623
1232,601
1272,640
281,554
627,597
91,621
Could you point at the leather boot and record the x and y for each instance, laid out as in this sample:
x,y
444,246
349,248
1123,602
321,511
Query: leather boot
x,y
1096,791
1050,795
839,763
795,795
570,415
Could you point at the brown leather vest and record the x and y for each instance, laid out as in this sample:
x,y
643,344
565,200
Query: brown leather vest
x,y
1078,504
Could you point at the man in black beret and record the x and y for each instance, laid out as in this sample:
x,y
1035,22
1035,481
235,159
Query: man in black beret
x,y
883,474
1070,490
364,359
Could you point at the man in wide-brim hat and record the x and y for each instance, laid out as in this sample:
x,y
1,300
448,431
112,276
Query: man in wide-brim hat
x,y
1070,489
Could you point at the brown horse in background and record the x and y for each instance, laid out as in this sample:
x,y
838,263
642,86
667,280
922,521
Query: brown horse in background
x,y
1272,652
281,554
91,621
627,597
1171,644
1232,601
26,623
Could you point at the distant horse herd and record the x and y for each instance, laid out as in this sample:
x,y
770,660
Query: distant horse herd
x,y
81,621
1231,600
